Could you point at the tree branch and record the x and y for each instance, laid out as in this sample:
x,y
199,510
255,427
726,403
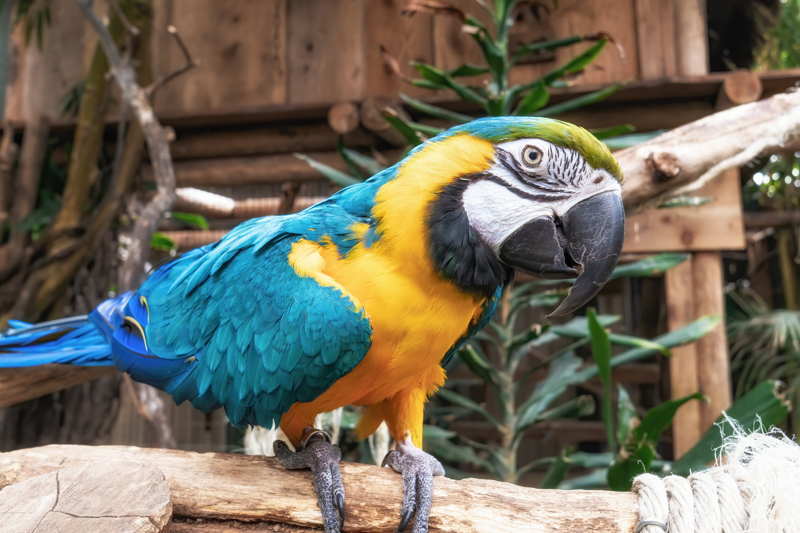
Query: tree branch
x,y
688,157
156,136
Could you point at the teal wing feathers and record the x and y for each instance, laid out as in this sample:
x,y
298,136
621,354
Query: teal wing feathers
x,y
247,332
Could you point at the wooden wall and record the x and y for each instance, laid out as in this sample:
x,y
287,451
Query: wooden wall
x,y
255,54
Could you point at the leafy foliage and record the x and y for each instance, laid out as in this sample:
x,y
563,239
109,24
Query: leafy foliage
x,y
504,355
493,91
764,344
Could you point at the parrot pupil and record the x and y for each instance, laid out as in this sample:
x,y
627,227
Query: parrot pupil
x,y
531,156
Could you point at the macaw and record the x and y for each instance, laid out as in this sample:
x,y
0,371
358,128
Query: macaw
x,y
361,298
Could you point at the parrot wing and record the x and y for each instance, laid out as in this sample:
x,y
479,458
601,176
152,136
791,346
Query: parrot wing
x,y
233,324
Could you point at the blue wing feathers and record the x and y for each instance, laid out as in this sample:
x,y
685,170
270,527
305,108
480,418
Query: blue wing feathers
x,y
229,324
261,338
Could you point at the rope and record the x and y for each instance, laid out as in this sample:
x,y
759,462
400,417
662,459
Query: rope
x,y
755,489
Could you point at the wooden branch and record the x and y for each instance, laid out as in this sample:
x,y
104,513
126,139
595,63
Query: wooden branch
x,y
156,137
18,385
688,157
34,148
8,156
256,490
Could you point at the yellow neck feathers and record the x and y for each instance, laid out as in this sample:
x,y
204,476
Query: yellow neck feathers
x,y
402,204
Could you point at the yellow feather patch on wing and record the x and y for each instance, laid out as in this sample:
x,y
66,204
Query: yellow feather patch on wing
x,y
305,258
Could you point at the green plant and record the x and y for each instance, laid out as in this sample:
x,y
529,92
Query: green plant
x,y
764,344
506,355
493,93
763,406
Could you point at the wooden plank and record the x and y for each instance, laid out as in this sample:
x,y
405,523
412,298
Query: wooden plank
x,y
583,17
244,39
452,46
404,37
714,226
655,37
326,47
683,366
21,384
691,37
713,368
257,489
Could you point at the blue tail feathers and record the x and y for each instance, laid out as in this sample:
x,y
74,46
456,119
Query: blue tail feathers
x,y
74,341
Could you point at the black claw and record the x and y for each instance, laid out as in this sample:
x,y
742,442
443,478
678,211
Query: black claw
x,y
418,469
405,519
322,458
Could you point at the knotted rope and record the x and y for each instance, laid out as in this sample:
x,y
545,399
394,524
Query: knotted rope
x,y
755,488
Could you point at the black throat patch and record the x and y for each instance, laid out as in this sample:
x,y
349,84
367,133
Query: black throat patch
x,y
457,251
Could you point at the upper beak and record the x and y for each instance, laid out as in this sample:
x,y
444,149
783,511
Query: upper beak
x,y
585,242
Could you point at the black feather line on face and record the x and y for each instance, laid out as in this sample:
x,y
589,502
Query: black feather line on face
x,y
555,178
457,251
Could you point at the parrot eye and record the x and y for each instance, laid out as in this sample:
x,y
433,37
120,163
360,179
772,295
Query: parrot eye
x,y
531,156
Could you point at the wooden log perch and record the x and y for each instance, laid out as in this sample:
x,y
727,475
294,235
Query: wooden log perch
x,y
688,157
215,487
109,497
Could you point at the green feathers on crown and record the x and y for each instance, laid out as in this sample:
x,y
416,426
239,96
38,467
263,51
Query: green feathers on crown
x,y
502,129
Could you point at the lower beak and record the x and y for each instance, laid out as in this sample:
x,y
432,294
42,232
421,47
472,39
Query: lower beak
x,y
585,242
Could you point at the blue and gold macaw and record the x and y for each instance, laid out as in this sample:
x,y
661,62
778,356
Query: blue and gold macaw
x,y
358,300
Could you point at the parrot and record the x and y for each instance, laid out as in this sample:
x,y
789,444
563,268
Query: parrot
x,y
362,298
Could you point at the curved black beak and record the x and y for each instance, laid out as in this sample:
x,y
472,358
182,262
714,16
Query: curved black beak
x,y
585,242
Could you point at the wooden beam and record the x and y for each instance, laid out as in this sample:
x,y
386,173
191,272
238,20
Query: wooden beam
x,y
21,384
343,117
683,366
261,141
691,37
771,219
249,170
740,87
219,486
716,225
713,368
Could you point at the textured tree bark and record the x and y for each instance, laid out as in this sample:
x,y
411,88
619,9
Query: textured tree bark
x,y
688,157
217,487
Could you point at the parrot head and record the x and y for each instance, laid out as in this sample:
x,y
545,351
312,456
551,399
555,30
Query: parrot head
x,y
522,193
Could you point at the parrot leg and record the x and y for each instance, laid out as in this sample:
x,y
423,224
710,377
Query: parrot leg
x,y
318,454
417,469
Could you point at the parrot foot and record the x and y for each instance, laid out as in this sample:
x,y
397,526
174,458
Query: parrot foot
x,y
417,469
318,454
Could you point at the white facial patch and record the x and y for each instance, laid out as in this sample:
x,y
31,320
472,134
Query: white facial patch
x,y
495,212
496,207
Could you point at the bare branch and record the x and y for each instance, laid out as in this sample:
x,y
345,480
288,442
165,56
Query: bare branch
x,y
156,136
130,28
189,63
690,156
